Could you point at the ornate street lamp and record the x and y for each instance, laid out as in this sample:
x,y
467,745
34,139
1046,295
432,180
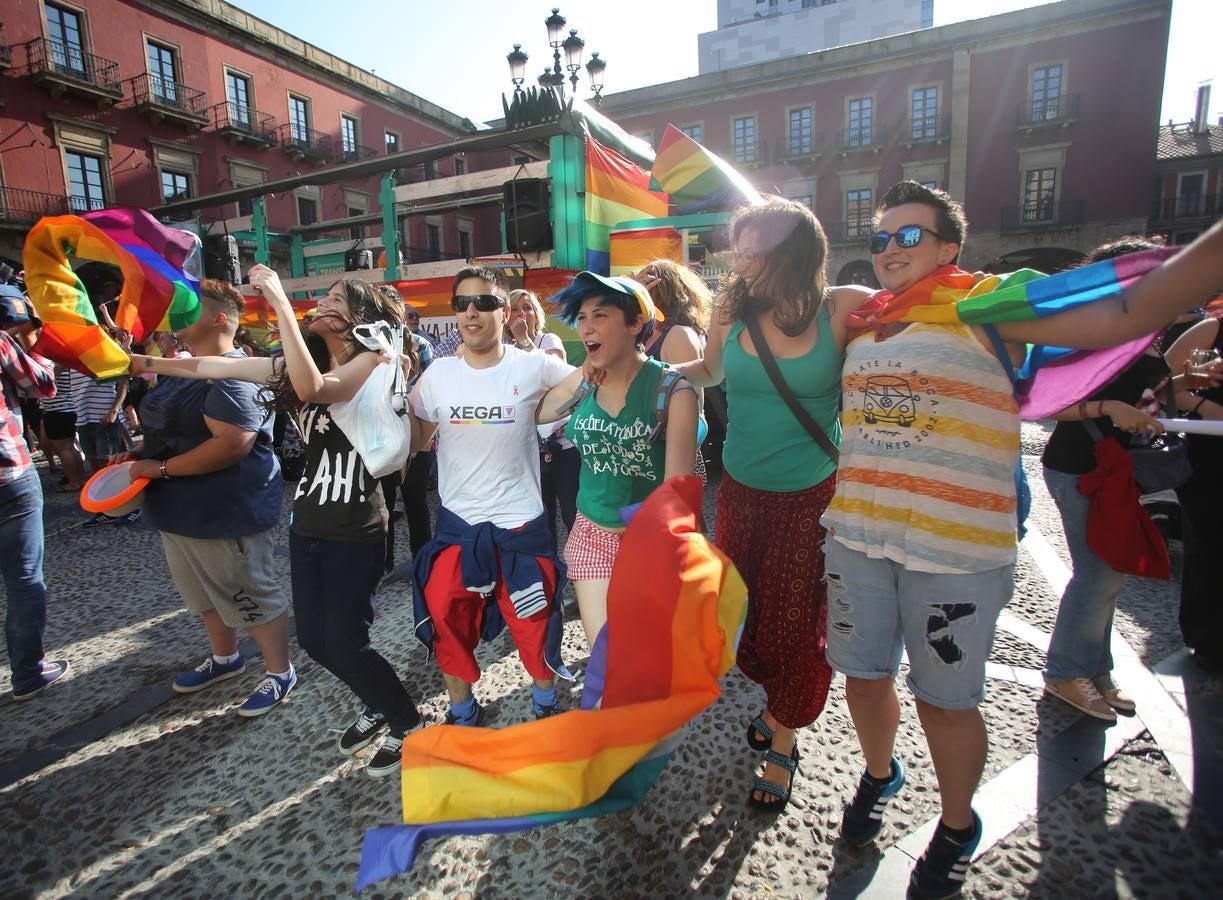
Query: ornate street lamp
x,y
573,56
594,70
518,66
554,77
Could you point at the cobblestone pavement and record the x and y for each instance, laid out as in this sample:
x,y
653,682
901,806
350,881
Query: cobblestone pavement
x,y
111,786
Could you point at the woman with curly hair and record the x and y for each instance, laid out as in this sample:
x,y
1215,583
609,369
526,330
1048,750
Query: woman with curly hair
x,y
339,520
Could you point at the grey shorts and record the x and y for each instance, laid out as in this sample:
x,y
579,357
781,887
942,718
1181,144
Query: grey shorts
x,y
876,608
234,576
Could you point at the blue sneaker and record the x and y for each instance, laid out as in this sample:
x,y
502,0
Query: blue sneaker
x,y
50,672
98,519
208,673
941,870
130,519
863,819
271,693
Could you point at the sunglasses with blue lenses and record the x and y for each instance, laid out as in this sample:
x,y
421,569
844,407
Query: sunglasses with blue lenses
x,y
907,237
483,302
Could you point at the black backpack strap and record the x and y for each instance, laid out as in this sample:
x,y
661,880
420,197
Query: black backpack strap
x,y
765,355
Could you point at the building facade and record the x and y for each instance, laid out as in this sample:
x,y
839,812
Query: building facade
x,y
136,102
1188,194
753,31
1020,116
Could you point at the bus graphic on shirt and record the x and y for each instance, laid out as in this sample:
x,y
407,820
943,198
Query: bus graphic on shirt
x,y
482,415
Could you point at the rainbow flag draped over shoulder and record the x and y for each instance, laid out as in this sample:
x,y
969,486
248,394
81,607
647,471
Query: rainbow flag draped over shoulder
x,y
676,607
616,191
158,290
1052,378
696,179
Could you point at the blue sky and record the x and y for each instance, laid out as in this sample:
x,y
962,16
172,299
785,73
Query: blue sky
x,y
454,54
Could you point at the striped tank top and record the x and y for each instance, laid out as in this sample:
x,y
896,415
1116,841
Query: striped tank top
x,y
929,442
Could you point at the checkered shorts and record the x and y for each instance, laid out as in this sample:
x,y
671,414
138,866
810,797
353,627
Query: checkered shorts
x,y
590,551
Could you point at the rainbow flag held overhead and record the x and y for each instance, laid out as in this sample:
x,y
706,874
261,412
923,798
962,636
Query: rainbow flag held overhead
x,y
630,250
1052,378
676,607
616,191
161,289
696,179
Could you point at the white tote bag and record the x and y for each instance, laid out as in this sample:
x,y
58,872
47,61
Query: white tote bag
x,y
375,421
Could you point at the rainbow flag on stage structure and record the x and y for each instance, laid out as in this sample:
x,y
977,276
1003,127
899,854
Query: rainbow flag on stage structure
x,y
676,607
161,287
630,250
616,191
696,179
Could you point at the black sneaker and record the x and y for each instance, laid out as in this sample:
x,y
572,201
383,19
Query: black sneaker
x,y
863,819
545,712
387,758
941,870
361,733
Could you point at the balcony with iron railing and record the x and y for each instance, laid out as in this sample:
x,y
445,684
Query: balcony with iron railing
x,y
164,100
65,69
353,153
1040,112
860,139
6,52
240,124
300,142
927,129
1187,206
21,207
1041,214
851,231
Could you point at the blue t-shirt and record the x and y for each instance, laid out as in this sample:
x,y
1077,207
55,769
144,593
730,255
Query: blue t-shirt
x,y
242,499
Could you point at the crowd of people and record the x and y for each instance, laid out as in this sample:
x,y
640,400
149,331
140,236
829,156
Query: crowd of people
x,y
859,535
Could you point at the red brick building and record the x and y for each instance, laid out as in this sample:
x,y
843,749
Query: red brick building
x,y
1043,122
132,102
1188,195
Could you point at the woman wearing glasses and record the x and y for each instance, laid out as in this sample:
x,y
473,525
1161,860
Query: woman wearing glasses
x,y
777,478
339,520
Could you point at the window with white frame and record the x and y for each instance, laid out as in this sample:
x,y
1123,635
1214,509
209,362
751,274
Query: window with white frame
x,y
175,185
299,119
1046,98
392,141
800,131
861,131
85,191
238,99
745,139
163,73
348,136
925,113
67,39
693,131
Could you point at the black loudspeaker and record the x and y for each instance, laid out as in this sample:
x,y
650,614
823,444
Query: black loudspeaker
x,y
527,205
221,258
356,259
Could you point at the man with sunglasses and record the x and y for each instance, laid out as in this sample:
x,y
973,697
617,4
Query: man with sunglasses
x,y
491,562
412,317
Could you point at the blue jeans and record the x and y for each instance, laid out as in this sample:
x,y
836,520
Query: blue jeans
x,y
21,548
1080,647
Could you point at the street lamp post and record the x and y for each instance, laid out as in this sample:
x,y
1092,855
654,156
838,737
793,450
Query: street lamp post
x,y
554,77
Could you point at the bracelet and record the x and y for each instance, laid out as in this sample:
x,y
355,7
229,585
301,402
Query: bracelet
x,y
164,473
1099,409
1083,410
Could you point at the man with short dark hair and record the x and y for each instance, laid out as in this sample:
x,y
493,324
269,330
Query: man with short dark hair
x,y
491,562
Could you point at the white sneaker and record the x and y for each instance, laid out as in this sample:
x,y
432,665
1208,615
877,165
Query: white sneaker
x,y
1083,696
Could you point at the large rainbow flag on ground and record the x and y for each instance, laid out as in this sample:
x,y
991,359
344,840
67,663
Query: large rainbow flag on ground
x,y
617,191
676,607
161,288
1052,378
696,179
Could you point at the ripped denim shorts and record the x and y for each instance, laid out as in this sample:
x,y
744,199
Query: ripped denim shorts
x,y
877,608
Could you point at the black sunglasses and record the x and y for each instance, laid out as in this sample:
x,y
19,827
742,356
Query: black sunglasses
x,y
413,316
483,302
907,236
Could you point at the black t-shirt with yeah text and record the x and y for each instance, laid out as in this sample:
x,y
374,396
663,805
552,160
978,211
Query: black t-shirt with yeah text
x,y
337,499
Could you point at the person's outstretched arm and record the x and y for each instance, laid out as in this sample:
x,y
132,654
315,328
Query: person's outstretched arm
x,y
255,369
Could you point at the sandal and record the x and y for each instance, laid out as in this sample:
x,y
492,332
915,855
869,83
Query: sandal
x,y
771,788
756,728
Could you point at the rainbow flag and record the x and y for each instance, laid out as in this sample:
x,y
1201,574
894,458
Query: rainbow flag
x,y
676,607
158,293
1051,378
616,191
631,250
696,179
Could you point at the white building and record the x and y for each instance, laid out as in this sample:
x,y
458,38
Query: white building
x,y
753,31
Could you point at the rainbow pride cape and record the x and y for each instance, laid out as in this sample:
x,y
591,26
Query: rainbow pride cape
x,y
617,190
696,179
1052,378
676,607
158,290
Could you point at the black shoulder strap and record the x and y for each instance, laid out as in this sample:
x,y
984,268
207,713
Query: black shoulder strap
x,y
779,382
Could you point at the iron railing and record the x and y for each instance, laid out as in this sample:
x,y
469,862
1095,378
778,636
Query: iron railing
x,y
852,231
56,57
353,153
85,204
1188,206
6,52
859,137
1042,214
238,117
928,128
306,141
164,92
18,205
1048,110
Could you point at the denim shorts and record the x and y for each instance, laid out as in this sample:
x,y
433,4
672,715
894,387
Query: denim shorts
x,y
876,608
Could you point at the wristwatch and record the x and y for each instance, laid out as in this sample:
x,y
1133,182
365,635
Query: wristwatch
x,y
525,344
164,474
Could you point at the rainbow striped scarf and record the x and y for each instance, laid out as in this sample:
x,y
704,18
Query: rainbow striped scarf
x,y
676,607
